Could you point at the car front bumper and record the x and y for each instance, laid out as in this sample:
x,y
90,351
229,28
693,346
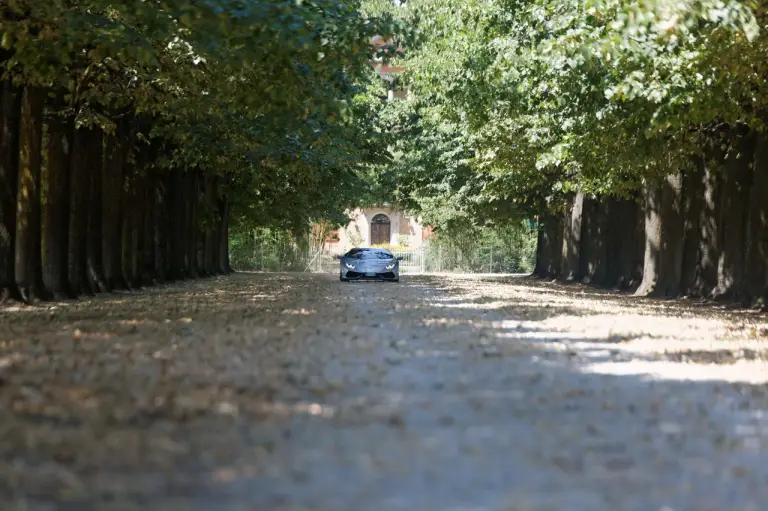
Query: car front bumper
x,y
370,274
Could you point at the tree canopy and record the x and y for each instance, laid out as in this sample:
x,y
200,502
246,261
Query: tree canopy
x,y
180,105
520,102
266,92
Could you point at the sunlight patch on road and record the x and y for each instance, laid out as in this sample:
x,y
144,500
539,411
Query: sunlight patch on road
x,y
742,371
299,312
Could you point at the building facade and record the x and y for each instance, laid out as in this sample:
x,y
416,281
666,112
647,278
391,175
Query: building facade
x,y
380,225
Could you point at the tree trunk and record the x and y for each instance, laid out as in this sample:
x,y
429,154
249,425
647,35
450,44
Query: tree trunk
x,y
223,233
142,272
130,233
149,270
625,233
593,251
56,206
10,112
215,226
572,239
166,237
694,196
555,241
113,205
196,263
734,211
158,231
755,285
29,258
547,247
177,193
94,242
79,188
663,239
198,229
709,226
209,231
152,231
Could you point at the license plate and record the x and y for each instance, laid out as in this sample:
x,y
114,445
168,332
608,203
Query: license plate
x,y
369,274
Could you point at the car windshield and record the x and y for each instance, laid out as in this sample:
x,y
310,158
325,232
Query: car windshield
x,y
369,254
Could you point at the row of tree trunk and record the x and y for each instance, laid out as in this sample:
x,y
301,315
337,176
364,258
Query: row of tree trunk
x,y
83,211
703,233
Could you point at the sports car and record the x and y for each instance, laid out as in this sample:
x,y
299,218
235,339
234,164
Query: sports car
x,y
369,264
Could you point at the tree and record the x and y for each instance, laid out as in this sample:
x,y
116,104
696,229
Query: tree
x,y
165,121
518,107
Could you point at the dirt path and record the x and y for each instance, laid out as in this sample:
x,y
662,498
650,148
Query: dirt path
x,y
297,392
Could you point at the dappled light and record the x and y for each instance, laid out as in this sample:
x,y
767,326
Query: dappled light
x,y
492,256
619,336
271,389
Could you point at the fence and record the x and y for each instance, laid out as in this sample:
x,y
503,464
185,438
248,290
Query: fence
x,y
511,251
268,251
433,258
412,263
483,258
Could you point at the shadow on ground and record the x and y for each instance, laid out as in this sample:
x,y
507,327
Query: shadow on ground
x,y
277,392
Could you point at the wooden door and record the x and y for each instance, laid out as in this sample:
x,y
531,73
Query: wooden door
x,y
380,230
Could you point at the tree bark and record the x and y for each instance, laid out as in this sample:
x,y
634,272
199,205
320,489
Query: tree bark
x,y
79,188
94,242
572,239
625,234
709,225
755,285
196,267
56,205
130,233
158,232
663,239
549,247
152,231
177,192
556,249
215,226
142,275
694,196
149,270
29,258
223,233
209,231
166,237
593,251
733,218
10,112
113,204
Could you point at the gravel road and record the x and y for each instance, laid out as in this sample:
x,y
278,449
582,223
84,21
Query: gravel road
x,y
298,392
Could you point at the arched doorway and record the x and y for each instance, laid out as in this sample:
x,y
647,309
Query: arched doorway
x,y
380,230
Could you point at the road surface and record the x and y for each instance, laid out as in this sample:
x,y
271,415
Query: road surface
x,y
298,392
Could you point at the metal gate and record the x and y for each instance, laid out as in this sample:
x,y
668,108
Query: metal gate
x,y
412,263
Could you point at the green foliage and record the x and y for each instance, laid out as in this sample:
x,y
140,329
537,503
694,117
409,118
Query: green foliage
x,y
507,249
267,249
515,103
269,95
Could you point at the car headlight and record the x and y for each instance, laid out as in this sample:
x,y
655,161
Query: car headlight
x,y
391,266
350,266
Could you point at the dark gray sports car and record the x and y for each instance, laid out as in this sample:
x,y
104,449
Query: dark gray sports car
x,y
369,264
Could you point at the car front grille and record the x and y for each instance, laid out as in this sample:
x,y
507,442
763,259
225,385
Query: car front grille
x,y
379,275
